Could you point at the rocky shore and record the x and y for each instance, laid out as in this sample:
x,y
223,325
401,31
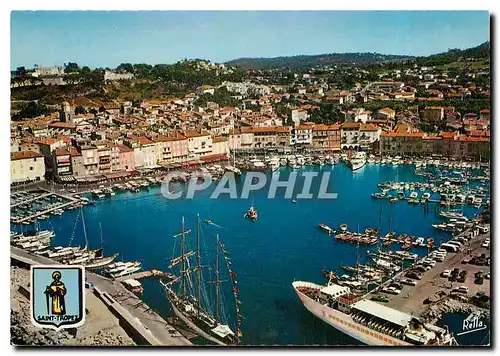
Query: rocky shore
x,y
24,333
448,305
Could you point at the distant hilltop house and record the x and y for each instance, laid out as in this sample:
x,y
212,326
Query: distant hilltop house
x,y
205,89
111,76
387,85
48,71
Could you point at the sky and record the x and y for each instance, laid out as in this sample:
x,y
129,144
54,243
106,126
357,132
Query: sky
x,y
108,38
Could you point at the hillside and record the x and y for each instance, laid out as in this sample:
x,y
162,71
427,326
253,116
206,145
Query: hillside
x,y
360,59
306,61
456,55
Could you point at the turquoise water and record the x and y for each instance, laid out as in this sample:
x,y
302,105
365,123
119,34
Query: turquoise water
x,y
284,245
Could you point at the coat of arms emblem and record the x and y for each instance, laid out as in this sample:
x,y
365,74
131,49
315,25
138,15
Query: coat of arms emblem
x,y
57,296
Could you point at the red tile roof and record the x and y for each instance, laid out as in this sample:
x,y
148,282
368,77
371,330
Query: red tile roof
x,y
14,156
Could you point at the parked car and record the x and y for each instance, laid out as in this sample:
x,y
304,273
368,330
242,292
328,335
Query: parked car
x,y
446,273
462,289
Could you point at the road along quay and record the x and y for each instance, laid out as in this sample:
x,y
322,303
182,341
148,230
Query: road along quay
x,y
143,324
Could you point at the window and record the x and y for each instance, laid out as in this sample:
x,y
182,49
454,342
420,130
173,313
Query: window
x,y
31,168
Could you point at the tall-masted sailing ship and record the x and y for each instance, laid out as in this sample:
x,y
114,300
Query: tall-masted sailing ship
x,y
188,295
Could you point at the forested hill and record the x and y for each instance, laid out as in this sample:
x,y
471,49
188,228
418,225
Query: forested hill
x,y
453,55
359,59
308,61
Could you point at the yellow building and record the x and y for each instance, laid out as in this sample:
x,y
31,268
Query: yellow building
x,y
26,166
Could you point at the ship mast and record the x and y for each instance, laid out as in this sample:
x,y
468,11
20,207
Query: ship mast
x,y
199,265
100,230
84,231
379,226
217,281
390,217
183,251
357,257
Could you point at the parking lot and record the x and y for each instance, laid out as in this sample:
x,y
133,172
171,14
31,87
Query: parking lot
x,y
411,299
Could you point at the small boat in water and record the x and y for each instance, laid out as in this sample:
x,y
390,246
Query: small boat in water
x,y
325,227
251,213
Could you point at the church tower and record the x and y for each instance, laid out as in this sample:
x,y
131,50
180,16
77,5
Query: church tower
x,y
66,114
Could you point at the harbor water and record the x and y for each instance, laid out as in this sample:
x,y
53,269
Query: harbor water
x,y
283,245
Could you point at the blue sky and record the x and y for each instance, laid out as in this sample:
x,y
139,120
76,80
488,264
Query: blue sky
x,y
106,39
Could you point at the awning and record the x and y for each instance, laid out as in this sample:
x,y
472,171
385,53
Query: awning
x,y
68,178
214,158
381,311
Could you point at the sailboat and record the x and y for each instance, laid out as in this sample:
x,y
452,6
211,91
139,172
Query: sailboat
x,y
233,168
189,300
99,260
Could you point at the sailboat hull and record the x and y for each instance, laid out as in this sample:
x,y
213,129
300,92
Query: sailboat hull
x,y
192,325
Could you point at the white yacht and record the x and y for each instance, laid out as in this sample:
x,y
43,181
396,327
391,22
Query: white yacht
x,y
357,161
274,163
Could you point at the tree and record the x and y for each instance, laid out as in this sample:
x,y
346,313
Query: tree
x,y
125,67
20,71
32,109
85,69
71,67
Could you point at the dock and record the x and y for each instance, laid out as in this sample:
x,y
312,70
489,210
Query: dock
x,y
69,201
27,201
42,212
143,275
142,323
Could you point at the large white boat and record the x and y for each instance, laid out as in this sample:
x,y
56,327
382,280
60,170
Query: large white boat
x,y
126,271
257,163
367,321
357,161
274,163
233,169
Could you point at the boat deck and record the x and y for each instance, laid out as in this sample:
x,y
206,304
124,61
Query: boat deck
x,y
143,275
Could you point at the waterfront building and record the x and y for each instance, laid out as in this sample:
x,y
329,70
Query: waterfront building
x,y
301,135
199,143
26,166
220,146
369,134
61,165
104,154
126,158
283,136
264,137
144,152
349,133
77,167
